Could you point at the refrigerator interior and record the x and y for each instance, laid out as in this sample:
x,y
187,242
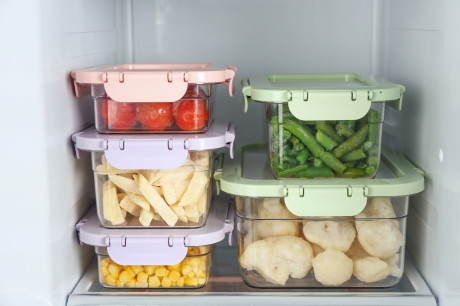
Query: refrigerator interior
x,y
414,43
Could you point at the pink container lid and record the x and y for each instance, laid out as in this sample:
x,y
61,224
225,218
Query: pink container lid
x,y
152,82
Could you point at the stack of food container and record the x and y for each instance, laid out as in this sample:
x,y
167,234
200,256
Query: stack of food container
x,y
327,206
152,156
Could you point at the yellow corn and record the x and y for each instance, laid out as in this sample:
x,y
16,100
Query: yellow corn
x,y
150,270
174,267
105,262
126,276
142,285
142,277
109,280
119,284
131,283
200,273
137,269
104,271
160,271
174,275
166,282
191,282
201,281
186,269
180,282
114,270
154,282
191,274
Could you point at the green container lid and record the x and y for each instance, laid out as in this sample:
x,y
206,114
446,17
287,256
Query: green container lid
x,y
249,175
340,96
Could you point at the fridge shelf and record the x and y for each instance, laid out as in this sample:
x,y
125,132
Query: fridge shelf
x,y
226,283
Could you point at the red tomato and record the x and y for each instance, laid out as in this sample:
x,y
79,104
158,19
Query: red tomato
x,y
190,115
155,116
118,115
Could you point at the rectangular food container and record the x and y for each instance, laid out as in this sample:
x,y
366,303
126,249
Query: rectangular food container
x,y
154,258
279,249
153,181
323,125
191,272
319,233
153,98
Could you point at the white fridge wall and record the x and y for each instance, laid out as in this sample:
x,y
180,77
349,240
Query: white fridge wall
x,y
45,190
257,36
420,47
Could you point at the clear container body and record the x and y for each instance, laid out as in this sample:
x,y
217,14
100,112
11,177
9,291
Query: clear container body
x,y
181,197
192,272
191,114
280,250
328,149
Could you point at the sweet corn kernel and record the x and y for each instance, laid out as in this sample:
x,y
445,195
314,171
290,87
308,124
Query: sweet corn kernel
x,y
113,268
131,283
105,262
160,271
201,281
166,282
150,270
180,282
200,273
126,276
142,277
194,263
174,267
191,274
186,269
142,285
109,280
192,282
173,284
154,282
119,284
128,268
174,275
104,271
137,269
167,273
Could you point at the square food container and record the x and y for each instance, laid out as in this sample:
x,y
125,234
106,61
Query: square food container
x,y
154,258
191,272
153,98
319,233
323,125
153,181
279,249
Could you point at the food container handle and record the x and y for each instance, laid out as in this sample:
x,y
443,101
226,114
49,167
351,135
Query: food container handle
x,y
218,165
230,221
229,76
246,93
230,137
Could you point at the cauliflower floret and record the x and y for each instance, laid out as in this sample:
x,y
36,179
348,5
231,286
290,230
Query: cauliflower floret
x,y
377,208
316,249
393,267
332,267
271,208
370,269
277,258
338,235
380,238
356,251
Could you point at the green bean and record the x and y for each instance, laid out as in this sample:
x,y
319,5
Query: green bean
x,y
325,141
344,130
318,163
351,164
291,171
286,135
361,165
289,159
353,155
351,173
373,125
353,142
329,130
298,147
315,173
302,156
294,140
330,160
304,135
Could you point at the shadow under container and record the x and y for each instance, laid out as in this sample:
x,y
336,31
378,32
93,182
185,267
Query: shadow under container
x,y
153,98
319,233
323,125
191,272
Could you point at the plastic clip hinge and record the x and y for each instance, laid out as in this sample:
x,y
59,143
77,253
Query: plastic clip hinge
x,y
230,221
230,137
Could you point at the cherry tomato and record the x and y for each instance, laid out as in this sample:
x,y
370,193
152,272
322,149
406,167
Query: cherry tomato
x,y
155,116
190,115
118,115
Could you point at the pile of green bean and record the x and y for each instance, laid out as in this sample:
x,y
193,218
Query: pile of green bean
x,y
321,149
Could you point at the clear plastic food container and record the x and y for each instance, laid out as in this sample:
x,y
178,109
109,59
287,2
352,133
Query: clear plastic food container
x,y
153,98
279,249
191,272
134,198
323,125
